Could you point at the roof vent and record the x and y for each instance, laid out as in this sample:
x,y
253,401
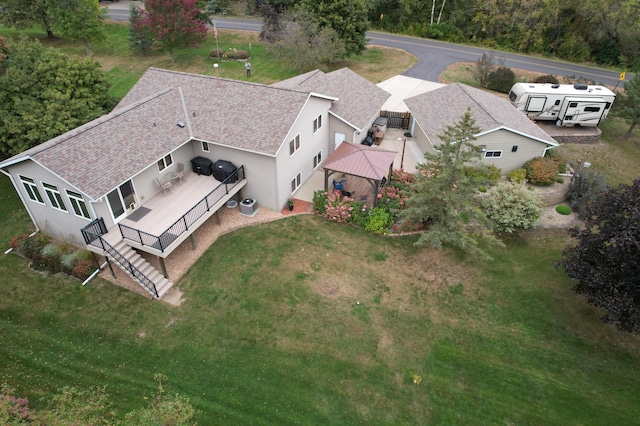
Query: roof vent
x,y
555,86
180,124
580,86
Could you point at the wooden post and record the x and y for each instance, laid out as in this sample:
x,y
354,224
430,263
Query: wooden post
x,y
164,268
193,241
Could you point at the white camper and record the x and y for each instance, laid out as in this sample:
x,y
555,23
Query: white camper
x,y
566,104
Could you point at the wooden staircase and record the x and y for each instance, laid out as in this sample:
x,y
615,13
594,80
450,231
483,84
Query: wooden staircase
x,y
161,283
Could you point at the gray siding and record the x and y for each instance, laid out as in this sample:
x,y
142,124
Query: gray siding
x,y
504,140
59,224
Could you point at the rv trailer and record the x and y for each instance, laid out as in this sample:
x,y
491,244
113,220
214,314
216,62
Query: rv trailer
x,y
568,105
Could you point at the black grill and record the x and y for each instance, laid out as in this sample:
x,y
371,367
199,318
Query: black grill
x,y
202,166
223,169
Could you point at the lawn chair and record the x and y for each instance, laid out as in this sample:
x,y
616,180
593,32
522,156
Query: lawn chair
x,y
166,185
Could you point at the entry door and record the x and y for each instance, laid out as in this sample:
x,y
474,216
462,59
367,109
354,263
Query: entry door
x,y
120,199
338,139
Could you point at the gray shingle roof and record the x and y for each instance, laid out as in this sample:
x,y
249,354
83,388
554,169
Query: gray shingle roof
x,y
439,108
100,155
238,114
358,99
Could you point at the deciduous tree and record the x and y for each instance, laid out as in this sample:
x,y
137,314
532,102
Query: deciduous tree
x,y
605,261
44,93
627,105
444,197
79,20
306,45
22,14
174,23
348,18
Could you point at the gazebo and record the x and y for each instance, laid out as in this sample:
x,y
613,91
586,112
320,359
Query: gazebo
x,y
370,164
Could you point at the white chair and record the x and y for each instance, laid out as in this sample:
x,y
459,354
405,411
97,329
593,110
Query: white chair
x,y
166,186
182,173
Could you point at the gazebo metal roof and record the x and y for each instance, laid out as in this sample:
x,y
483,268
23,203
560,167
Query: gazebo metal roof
x,y
370,163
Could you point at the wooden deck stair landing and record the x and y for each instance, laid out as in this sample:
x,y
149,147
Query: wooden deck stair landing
x,y
162,284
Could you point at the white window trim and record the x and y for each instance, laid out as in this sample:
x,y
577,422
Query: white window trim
x,y
492,154
77,201
55,197
317,124
33,189
296,145
296,182
164,160
317,159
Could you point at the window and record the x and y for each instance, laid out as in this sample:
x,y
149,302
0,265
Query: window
x,y
493,154
205,147
32,189
591,109
294,145
165,162
295,183
317,159
78,205
514,148
55,198
317,123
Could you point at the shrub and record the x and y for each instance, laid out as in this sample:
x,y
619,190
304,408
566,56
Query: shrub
x,y
83,269
17,241
486,174
560,180
517,176
320,201
564,210
584,187
546,79
559,159
391,199
68,261
541,171
512,207
402,176
501,80
482,189
359,214
31,247
380,221
338,208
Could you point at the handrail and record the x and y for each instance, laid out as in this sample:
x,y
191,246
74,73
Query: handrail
x,y
118,257
183,224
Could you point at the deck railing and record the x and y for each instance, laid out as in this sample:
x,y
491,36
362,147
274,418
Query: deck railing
x,y
92,234
182,225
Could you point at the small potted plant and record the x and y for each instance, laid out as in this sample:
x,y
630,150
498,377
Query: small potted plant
x,y
290,204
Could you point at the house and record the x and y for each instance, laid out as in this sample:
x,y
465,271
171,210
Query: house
x,y
124,181
358,106
507,138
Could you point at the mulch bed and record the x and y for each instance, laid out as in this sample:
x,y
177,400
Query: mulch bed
x,y
299,207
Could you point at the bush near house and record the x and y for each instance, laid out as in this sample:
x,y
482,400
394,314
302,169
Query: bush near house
x,y
54,257
541,171
517,175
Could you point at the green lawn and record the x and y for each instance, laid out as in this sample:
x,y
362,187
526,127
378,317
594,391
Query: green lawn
x,y
305,321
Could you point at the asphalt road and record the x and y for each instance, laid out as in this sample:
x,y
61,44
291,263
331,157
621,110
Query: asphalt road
x,y
433,56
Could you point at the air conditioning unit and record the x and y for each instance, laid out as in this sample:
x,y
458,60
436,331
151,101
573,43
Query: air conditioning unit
x,y
248,206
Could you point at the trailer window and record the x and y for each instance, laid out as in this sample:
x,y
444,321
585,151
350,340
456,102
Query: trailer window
x,y
573,104
512,96
591,109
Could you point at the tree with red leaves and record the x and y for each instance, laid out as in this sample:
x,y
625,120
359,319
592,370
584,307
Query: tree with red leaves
x,y
172,23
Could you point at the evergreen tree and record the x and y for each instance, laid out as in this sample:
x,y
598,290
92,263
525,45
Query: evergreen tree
x,y
443,197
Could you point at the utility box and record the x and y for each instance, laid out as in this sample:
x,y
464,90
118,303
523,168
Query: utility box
x,y
248,206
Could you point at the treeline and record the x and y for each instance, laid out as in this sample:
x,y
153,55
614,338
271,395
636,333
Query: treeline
x,y
606,32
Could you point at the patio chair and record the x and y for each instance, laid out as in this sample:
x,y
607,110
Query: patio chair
x,y
166,185
182,173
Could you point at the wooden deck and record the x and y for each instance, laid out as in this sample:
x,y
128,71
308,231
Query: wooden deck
x,y
166,209
360,189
